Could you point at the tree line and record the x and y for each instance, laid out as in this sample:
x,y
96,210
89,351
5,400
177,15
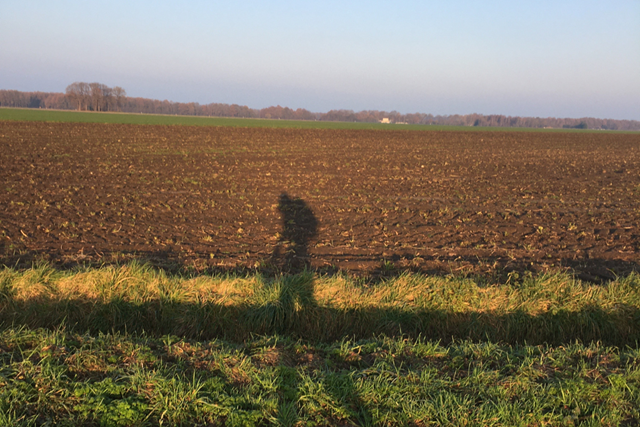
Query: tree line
x,y
95,96
99,97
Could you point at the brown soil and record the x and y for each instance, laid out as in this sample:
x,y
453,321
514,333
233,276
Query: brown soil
x,y
366,202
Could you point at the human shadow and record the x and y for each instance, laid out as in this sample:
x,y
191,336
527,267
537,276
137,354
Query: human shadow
x,y
299,226
296,306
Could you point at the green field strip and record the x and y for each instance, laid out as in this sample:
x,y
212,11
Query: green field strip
x,y
25,114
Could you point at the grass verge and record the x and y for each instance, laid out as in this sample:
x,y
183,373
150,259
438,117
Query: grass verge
x,y
132,346
553,309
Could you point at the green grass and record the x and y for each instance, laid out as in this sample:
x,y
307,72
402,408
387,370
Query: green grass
x,y
132,345
25,114
67,379
157,119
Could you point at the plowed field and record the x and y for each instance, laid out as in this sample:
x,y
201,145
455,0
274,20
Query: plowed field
x,y
367,202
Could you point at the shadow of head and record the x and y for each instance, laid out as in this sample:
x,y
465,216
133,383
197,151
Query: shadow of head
x,y
299,224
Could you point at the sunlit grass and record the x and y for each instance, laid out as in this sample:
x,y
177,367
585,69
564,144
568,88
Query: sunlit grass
x,y
545,309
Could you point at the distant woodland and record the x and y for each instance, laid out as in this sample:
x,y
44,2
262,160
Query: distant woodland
x,y
99,97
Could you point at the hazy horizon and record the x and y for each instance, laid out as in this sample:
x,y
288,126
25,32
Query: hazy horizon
x,y
575,59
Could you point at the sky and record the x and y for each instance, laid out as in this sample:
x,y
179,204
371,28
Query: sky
x,y
571,58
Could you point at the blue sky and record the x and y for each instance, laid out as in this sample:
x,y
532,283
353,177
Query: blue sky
x,y
546,58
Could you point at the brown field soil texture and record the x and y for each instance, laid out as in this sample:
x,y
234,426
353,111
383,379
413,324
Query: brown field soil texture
x,y
360,201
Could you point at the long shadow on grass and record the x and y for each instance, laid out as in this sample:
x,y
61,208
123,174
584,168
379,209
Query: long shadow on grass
x,y
339,387
290,302
285,312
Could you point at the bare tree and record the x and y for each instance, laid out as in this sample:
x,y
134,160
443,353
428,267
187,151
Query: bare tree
x,y
73,94
108,99
97,96
119,95
78,93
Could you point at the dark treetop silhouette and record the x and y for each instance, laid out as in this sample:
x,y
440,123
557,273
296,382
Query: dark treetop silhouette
x,y
299,226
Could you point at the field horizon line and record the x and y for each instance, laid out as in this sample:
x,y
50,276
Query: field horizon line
x,y
113,117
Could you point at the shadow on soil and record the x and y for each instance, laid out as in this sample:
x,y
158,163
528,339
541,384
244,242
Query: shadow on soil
x,y
291,308
299,226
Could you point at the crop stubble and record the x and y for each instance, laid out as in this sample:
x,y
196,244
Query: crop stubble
x,y
208,197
